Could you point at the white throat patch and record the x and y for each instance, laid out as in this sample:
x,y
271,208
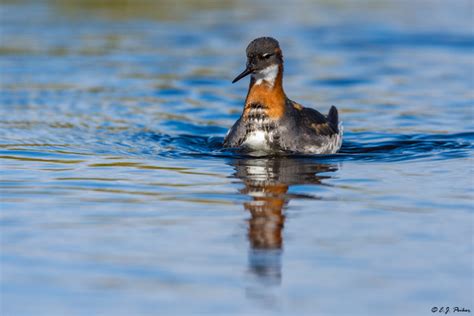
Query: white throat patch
x,y
268,75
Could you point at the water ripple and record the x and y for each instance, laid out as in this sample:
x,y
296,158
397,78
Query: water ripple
x,y
391,148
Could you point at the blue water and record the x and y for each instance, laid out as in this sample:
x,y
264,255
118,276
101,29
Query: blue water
x,y
117,198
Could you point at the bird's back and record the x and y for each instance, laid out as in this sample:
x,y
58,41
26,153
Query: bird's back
x,y
309,131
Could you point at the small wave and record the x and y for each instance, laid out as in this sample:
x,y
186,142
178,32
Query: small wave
x,y
407,147
356,146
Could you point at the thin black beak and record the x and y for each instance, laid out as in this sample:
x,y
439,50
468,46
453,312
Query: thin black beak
x,y
244,73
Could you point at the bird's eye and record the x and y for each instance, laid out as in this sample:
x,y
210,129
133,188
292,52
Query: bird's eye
x,y
266,56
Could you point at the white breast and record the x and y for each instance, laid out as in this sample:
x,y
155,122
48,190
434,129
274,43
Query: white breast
x,y
257,140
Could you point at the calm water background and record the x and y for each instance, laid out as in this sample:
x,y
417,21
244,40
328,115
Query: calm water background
x,y
117,199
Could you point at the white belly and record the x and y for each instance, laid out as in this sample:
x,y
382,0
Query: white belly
x,y
257,140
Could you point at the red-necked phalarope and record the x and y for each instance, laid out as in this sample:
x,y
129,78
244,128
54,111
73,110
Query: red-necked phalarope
x,y
272,123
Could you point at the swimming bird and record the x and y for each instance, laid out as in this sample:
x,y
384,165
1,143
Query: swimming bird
x,y
271,123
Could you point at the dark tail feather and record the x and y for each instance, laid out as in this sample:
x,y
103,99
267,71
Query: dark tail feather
x,y
333,118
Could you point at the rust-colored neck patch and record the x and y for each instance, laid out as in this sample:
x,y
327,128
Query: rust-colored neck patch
x,y
272,97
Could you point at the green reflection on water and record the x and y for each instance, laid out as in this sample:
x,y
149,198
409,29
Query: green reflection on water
x,y
148,9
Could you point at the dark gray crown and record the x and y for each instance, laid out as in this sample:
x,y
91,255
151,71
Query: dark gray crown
x,y
262,45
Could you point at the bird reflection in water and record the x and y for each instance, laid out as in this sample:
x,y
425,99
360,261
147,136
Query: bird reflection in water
x,y
267,181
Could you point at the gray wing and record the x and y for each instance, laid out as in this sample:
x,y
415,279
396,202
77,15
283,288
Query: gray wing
x,y
320,123
235,136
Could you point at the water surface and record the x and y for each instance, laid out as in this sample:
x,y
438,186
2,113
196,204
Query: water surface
x,y
117,198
